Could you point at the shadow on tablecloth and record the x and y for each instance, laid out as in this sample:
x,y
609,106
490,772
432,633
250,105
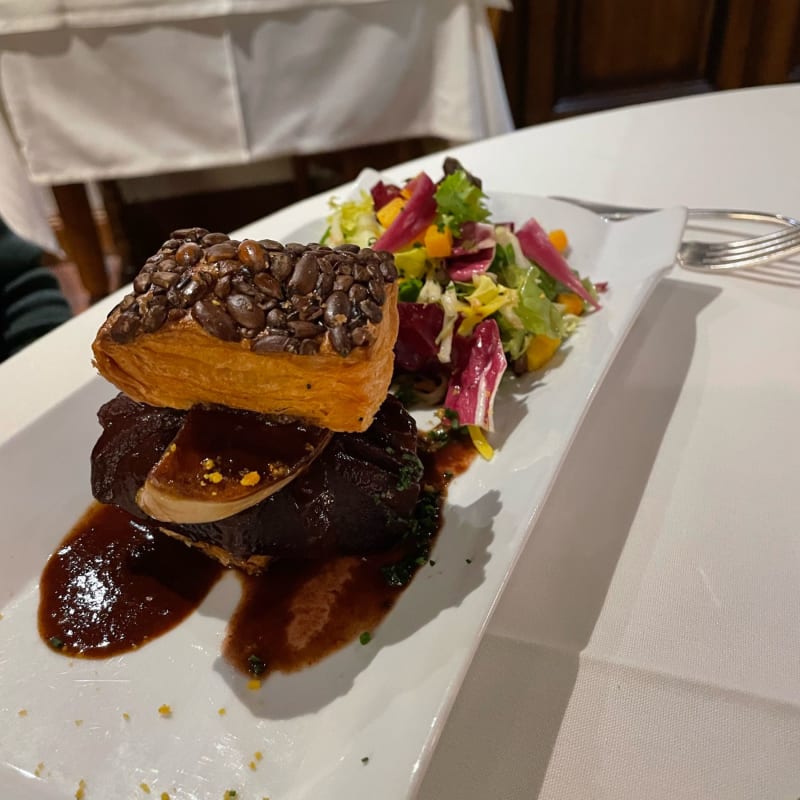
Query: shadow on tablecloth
x,y
503,729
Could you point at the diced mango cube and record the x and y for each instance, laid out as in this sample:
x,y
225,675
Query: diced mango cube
x,y
573,304
559,240
540,350
388,214
439,244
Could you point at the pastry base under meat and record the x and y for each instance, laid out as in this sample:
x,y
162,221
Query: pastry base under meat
x,y
253,565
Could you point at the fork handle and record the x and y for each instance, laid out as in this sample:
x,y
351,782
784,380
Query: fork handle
x,y
613,212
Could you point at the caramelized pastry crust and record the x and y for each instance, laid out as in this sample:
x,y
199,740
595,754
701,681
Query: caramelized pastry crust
x,y
301,330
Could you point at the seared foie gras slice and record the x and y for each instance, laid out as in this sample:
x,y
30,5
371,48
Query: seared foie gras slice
x,y
223,461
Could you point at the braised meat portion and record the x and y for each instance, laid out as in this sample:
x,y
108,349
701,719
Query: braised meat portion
x,y
355,498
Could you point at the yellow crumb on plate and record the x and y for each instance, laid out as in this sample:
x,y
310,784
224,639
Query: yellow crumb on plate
x,y
78,723
254,684
252,765
164,796
250,479
23,712
80,792
221,712
165,710
145,788
259,755
39,769
126,716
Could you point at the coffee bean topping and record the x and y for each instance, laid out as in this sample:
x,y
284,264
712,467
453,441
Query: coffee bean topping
x,y
269,285
245,311
337,309
283,298
214,238
163,279
377,291
372,311
214,320
340,339
271,343
276,318
125,327
221,252
305,274
141,283
251,254
188,254
304,330
341,283
362,337
358,292
154,317
223,287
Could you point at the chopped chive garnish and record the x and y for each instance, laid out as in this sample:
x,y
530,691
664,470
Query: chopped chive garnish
x,y
256,665
56,643
365,637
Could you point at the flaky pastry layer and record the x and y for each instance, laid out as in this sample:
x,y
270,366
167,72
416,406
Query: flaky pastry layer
x,y
181,365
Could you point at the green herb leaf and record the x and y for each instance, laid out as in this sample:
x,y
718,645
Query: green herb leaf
x,y
410,472
365,637
459,200
56,643
421,531
409,290
256,665
451,415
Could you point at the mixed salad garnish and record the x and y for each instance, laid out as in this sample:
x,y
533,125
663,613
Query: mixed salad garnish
x,y
476,296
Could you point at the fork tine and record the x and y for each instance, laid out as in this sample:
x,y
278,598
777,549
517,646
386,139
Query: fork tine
x,y
780,237
695,255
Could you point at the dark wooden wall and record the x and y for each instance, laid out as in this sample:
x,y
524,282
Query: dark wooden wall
x,y
566,57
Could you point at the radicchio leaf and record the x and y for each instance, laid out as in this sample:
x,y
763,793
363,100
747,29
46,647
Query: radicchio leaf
x,y
416,349
417,214
478,365
538,248
473,252
383,193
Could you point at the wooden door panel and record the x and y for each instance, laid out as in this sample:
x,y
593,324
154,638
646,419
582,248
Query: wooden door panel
x,y
564,57
613,52
624,44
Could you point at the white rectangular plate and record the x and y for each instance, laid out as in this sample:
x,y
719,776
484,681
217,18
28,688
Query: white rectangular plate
x,y
385,701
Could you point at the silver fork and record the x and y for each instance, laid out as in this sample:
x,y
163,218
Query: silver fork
x,y
718,256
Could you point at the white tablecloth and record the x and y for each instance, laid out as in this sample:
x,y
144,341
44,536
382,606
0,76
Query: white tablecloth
x,y
176,94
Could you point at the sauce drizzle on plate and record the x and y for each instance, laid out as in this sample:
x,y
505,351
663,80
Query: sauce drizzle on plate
x,y
116,582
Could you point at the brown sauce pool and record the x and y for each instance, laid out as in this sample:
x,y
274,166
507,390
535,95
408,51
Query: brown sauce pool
x,y
115,583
